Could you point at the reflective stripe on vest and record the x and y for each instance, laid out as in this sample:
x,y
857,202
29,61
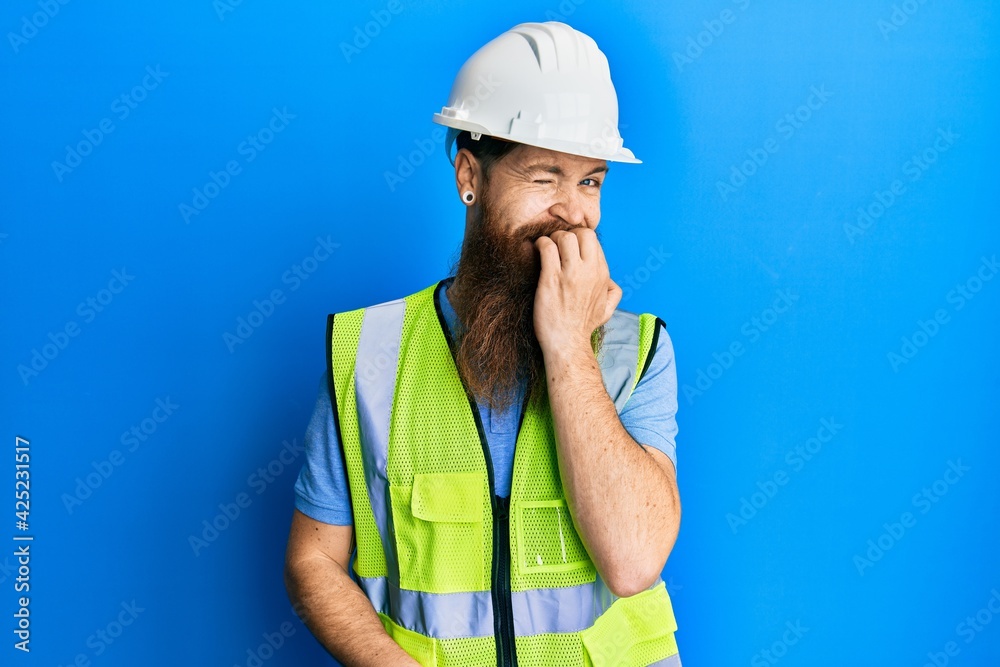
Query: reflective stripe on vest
x,y
455,615
421,486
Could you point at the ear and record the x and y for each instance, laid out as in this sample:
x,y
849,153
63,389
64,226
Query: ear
x,y
468,173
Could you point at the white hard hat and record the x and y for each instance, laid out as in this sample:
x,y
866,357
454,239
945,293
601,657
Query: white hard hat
x,y
540,84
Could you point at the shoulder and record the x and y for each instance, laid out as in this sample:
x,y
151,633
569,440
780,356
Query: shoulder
x,y
645,331
622,318
635,350
646,336
426,292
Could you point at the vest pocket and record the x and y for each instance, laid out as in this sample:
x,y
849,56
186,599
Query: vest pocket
x,y
633,632
420,648
547,539
438,529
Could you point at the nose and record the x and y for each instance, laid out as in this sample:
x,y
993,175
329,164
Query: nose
x,y
570,206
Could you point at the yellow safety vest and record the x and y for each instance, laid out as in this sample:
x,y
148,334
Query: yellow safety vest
x,y
457,575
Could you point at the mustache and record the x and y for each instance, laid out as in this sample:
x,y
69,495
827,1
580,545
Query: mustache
x,y
531,232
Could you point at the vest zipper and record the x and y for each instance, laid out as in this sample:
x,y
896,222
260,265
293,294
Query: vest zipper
x,y
503,612
506,655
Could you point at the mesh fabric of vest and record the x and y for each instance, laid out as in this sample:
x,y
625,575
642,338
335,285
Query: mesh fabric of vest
x,y
441,510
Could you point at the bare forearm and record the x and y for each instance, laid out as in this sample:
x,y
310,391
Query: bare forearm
x,y
340,615
623,504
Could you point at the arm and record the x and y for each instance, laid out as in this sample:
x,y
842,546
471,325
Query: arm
x,y
622,496
331,604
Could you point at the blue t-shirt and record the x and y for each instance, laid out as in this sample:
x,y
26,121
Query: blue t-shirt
x,y
321,490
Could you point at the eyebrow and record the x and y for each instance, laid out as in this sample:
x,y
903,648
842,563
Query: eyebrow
x,y
556,169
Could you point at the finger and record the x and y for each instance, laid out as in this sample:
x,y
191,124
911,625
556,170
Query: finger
x,y
590,247
591,251
548,252
569,247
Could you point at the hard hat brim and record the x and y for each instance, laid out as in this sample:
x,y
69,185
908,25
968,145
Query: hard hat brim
x,y
622,155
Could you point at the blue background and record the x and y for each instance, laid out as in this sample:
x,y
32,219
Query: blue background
x,y
701,93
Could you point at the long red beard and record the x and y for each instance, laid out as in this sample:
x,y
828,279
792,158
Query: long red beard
x,y
496,348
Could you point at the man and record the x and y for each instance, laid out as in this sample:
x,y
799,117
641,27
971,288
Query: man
x,y
500,444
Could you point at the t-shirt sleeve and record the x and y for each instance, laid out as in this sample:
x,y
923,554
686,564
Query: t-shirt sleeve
x,y
649,415
321,489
